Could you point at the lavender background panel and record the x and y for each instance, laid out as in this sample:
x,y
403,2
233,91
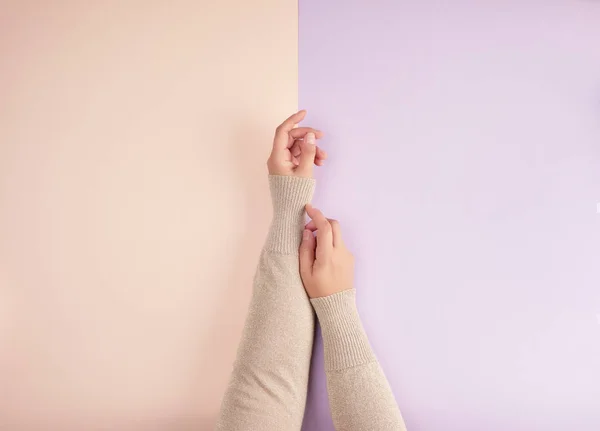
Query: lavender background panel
x,y
465,169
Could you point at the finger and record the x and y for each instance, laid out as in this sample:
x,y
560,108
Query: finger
x,y
299,132
295,150
295,161
282,132
282,140
321,154
324,233
291,121
307,156
320,157
307,253
336,232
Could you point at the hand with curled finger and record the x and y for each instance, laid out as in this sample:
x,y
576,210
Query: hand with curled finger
x,y
326,265
295,149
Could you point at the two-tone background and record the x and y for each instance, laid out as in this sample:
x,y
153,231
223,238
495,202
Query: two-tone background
x,y
464,142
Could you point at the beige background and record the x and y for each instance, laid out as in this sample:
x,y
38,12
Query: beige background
x,y
133,203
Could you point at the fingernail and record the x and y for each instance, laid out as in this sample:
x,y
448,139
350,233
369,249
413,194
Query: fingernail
x,y
306,234
310,138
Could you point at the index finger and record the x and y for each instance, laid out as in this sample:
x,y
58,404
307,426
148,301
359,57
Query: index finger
x,y
336,231
282,138
291,121
324,232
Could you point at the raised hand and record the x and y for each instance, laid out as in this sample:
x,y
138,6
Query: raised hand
x,y
294,149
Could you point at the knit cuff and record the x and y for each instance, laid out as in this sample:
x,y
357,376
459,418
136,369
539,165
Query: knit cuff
x,y
345,341
289,195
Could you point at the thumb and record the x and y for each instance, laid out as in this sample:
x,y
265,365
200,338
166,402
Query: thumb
x,y
307,253
307,157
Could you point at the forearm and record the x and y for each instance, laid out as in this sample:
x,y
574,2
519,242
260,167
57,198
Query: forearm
x,y
360,397
268,386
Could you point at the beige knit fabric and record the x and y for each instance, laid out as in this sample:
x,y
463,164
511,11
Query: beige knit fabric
x,y
360,397
267,390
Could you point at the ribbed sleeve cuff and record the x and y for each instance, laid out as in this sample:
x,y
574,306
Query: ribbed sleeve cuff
x,y
346,344
289,195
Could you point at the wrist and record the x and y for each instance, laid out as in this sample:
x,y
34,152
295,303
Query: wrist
x,y
346,344
289,195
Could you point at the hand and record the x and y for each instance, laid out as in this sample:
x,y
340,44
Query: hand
x,y
294,149
326,265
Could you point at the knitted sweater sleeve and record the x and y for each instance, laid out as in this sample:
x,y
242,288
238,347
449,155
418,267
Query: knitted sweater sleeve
x,y
268,385
360,397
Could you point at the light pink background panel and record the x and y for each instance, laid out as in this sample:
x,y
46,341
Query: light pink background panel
x,y
133,203
464,139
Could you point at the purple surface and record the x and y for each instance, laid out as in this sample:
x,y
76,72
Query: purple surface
x,y
464,142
